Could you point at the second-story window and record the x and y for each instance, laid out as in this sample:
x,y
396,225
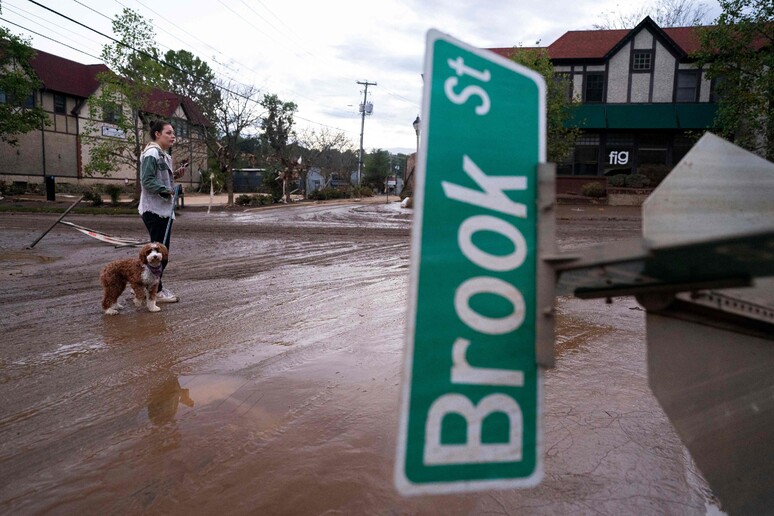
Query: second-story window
x,y
59,103
594,87
687,86
111,113
642,60
181,127
26,102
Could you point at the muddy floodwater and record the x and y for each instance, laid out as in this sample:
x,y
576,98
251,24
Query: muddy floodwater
x,y
273,386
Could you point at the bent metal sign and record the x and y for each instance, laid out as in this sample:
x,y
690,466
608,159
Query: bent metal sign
x,y
471,400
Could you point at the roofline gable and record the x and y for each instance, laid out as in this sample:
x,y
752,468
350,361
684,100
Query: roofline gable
x,y
658,33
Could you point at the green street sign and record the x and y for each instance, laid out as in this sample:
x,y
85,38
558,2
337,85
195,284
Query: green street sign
x,y
472,390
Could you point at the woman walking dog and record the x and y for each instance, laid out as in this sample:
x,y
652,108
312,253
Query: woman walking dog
x,y
156,197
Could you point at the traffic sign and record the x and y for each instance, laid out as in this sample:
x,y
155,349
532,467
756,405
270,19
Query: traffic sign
x,y
472,389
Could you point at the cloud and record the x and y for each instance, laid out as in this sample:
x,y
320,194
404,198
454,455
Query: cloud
x,y
313,53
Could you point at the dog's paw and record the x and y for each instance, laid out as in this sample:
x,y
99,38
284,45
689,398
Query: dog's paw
x,y
154,309
111,311
137,302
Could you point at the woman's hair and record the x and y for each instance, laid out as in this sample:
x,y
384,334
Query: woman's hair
x,y
156,127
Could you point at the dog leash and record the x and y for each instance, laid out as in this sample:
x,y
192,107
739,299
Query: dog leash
x,y
169,222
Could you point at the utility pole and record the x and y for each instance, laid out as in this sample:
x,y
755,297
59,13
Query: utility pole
x,y
363,109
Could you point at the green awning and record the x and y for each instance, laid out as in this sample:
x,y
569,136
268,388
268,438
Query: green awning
x,y
588,116
696,116
643,116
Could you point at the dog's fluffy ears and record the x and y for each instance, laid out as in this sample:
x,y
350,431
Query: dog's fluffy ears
x,y
154,246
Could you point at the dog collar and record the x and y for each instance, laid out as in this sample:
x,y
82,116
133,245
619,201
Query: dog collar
x,y
156,270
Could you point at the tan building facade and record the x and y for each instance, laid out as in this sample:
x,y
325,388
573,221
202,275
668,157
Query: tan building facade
x,y
60,148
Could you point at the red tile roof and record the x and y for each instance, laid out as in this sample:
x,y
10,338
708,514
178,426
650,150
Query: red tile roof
x,y
80,80
585,44
65,76
596,44
165,104
686,38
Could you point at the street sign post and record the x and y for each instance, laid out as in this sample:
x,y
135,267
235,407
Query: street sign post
x,y
472,391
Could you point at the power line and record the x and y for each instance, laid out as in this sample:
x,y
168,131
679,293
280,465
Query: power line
x,y
51,39
185,32
146,54
142,52
40,22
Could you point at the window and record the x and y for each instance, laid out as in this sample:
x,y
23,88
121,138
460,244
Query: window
x,y
181,127
681,146
594,87
28,102
586,155
652,149
687,86
111,113
642,60
59,103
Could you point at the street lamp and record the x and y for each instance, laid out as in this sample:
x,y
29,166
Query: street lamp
x,y
416,130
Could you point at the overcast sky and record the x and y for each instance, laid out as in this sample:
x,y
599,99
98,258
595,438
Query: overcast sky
x,y
313,53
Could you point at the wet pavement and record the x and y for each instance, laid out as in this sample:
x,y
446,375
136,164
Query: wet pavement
x,y
273,386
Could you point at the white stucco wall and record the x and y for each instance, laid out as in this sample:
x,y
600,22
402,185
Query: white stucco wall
x,y
618,76
640,87
643,40
664,80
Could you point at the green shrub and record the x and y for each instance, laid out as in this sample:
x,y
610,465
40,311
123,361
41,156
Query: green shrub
x,y
253,200
93,197
617,181
363,191
68,188
656,173
637,181
114,191
18,188
326,193
595,189
243,200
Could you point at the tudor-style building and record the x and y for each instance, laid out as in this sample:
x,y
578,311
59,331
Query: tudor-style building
x,y
59,150
643,101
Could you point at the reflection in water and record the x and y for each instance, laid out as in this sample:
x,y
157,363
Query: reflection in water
x,y
132,329
162,405
164,400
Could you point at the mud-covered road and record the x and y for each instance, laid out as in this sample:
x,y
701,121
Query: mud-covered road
x,y
273,386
